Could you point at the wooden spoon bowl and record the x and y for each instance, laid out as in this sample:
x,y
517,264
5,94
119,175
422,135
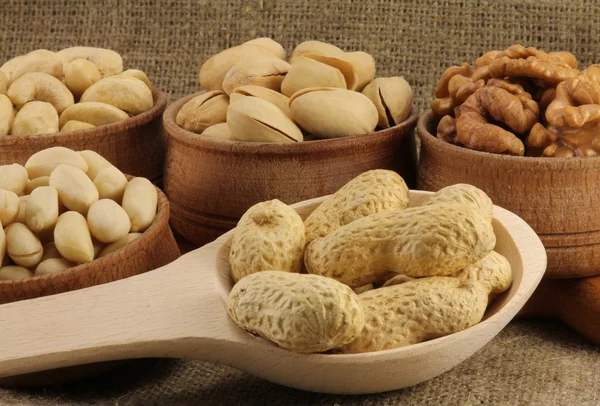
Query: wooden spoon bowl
x,y
211,183
180,311
558,197
135,145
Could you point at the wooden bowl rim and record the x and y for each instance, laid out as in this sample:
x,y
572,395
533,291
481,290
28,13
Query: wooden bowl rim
x,y
121,255
160,103
196,141
574,163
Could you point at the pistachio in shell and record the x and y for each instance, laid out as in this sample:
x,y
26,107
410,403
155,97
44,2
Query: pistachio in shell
x,y
273,46
364,65
218,131
278,99
312,70
262,70
203,111
315,47
213,71
256,120
333,113
393,98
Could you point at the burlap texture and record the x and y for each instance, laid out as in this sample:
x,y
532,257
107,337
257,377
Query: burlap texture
x,y
537,363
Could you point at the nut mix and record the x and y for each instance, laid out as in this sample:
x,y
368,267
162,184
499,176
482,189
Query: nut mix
x,y
65,208
253,94
381,274
76,88
521,101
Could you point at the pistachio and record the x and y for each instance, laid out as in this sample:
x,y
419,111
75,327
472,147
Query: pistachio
x,y
7,115
273,46
213,71
262,70
314,47
218,131
393,99
311,70
332,113
364,65
254,119
281,101
203,111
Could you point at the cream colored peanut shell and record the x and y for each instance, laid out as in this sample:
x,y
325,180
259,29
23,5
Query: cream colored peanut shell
x,y
35,117
262,70
81,74
42,163
333,113
3,83
75,190
203,111
95,163
315,47
74,125
115,246
213,71
139,75
393,98
310,71
7,115
464,194
9,208
276,98
72,238
14,273
107,61
37,86
140,203
219,132
273,46
41,210
111,183
22,245
364,64
52,266
40,60
493,271
108,222
123,92
94,113
257,120
13,177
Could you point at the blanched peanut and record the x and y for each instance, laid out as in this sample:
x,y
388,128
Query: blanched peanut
x,y
108,222
22,206
140,201
42,163
23,247
75,190
117,245
72,238
32,184
50,251
41,210
2,245
13,177
9,207
14,273
53,265
111,183
95,163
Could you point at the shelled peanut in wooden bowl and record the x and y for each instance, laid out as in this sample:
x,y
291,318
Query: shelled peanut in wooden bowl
x,y
524,126
82,99
269,128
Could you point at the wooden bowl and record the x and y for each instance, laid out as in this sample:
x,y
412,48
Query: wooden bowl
x,y
558,197
143,317
211,183
135,145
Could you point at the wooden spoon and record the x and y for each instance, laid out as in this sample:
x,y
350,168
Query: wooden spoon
x,y
179,310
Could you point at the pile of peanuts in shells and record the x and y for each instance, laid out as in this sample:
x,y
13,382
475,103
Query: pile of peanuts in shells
x,y
44,92
253,94
65,208
364,271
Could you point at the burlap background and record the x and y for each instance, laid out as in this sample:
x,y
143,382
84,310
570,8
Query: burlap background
x,y
538,363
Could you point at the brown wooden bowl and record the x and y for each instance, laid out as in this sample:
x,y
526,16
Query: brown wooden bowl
x,y
211,183
135,145
558,197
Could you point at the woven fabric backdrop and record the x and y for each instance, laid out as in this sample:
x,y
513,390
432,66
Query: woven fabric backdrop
x,y
537,363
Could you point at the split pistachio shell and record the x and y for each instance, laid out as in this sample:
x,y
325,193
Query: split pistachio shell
x,y
23,247
52,266
262,70
314,47
13,177
218,131
7,115
107,61
41,210
3,83
9,208
140,203
14,273
364,64
94,113
111,183
35,117
95,163
42,163
203,111
74,125
213,71
393,99
333,113
126,93
72,238
37,86
278,99
109,249
81,74
40,60
254,119
75,190
33,184
273,46
108,222
139,75
318,71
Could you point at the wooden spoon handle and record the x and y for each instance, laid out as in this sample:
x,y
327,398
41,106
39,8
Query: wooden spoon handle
x,y
575,302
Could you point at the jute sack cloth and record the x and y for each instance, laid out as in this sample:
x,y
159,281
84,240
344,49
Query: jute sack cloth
x,y
529,363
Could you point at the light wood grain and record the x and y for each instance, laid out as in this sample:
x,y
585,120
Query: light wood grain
x,y
211,183
179,311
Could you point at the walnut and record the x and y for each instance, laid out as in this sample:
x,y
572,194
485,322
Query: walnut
x,y
446,129
592,72
453,89
563,142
